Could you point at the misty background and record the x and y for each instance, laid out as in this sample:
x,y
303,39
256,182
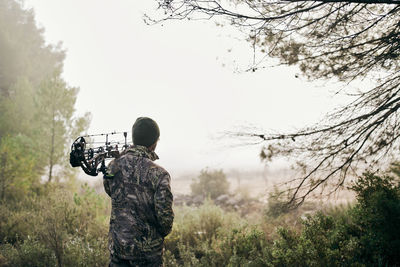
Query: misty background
x,y
190,77
195,79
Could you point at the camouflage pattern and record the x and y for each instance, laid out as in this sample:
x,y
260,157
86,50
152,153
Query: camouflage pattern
x,y
141,198
117,262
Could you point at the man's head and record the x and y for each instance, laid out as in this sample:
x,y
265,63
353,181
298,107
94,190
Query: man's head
x,y
145,132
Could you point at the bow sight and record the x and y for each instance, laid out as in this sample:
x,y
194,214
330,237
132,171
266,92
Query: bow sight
x,y
90,158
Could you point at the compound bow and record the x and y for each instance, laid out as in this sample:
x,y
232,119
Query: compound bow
x,y
90,158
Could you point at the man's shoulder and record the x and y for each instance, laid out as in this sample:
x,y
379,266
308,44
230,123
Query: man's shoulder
x,y
153,168
156,174
156,169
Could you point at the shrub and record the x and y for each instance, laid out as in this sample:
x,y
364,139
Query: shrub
x,y
208,236
15,223
60,228
377,215
28,253
195,225
195,230
366,234
241,246
17,174
81,252
56,221
210,183
71,228
277,204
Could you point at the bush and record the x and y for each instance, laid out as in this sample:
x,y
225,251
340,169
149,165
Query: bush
x,y
57,228
241,246
194,232
17,176
277,204
192,226
70,226
81,252
61,228
364,235
15,223
28,253
210,183
377,215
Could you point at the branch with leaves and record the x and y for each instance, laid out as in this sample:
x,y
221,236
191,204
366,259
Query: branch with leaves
x,y
329,150
345,41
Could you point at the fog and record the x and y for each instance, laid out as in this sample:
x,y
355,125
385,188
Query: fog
x,y
190,76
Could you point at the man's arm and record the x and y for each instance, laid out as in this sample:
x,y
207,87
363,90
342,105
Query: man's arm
x,y
106,183
111,170
163,205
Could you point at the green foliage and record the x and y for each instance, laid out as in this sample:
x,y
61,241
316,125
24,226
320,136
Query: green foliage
x,y
15,223
210,183
277,204
82,252
194,229
58,228
35,101
41,224
28,253
363,234
67,223
17,173
65,229
54,104
194,226
208,236
377,213
244,245
316,245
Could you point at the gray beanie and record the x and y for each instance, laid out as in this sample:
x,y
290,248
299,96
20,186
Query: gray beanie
x,y
145,132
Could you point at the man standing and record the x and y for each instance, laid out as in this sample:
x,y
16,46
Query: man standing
x,y
141,215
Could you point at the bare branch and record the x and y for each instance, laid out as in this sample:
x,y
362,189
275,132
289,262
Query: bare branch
x,y
345,40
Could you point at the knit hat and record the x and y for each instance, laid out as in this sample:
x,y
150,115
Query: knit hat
x,y
145,132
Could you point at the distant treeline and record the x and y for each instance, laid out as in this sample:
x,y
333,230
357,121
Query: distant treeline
x,y
37,115
42,221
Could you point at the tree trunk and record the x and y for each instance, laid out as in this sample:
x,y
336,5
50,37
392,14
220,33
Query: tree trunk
x,y
2,177
51,162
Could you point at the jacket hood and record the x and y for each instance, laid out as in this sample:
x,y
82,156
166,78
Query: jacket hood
x,y
141,151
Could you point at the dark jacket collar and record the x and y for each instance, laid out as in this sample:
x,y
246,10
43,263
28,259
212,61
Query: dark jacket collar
x,y
142,151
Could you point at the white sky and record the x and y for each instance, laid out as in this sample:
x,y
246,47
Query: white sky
x,y
180,74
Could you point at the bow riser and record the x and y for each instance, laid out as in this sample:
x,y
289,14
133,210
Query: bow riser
x,y
89,159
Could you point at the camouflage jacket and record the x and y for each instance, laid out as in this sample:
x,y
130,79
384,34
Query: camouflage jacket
x,y
141,198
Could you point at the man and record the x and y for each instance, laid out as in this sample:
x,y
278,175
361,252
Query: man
x,y
141,215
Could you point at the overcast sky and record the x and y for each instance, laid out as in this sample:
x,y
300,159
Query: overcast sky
x,y
183,74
